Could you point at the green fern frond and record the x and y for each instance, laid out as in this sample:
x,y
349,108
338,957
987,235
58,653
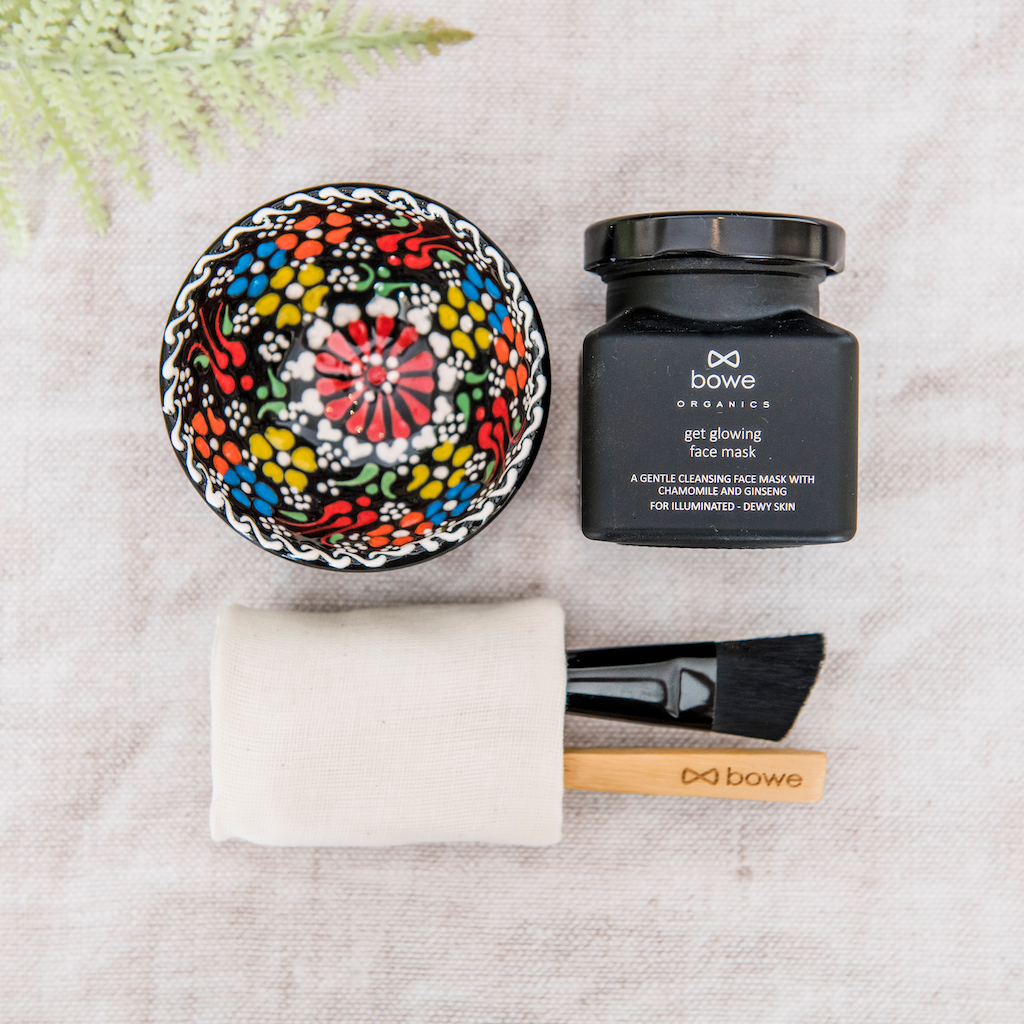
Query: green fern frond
x,y
94,25
13,222
271,23
82,80
10,11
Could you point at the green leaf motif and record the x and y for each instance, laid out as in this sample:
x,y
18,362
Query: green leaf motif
x,y
81,80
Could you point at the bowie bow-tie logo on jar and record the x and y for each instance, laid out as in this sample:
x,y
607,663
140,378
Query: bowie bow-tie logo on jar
x,y
354,377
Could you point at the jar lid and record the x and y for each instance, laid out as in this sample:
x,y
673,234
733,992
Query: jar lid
x,y
758,236
355,377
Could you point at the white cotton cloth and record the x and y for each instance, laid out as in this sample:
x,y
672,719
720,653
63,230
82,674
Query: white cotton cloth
x,y
428,724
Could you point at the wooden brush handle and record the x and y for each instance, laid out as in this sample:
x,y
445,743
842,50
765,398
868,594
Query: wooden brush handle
x,y
788,776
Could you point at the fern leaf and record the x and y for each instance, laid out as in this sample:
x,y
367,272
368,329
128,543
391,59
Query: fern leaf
x,y
361,21
94,25
341,69
63,145
366,61
17,110
150,32
243,20
275,76
13,221
40,22
226,89
180,24
10,11
83,79
119,122
168,105
271,24
67,96
183,113
316,73
336,16
213,28
314,22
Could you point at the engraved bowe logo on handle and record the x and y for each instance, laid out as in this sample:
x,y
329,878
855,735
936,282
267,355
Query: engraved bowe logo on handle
x,y
734,778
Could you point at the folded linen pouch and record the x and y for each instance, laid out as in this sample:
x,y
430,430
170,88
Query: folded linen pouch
x,y
386,726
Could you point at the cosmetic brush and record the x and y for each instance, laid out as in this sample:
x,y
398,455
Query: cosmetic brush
x,y
745,688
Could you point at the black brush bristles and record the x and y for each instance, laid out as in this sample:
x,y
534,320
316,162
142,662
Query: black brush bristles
x,y
762,684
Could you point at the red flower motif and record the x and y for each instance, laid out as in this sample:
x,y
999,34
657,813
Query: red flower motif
x,y
421,247
372,380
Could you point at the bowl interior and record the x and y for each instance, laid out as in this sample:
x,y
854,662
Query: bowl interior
x,y
355,377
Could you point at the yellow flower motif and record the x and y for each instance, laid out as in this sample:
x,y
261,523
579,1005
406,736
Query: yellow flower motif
x,y
461,340
310,275
282,461
449,319
288,315
420,475
312,299
259,447
442,453
304,288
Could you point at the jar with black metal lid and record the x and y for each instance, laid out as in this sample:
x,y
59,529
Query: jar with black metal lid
x,y
716,408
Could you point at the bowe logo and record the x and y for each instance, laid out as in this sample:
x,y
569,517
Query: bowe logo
x,y
714,381
730,359
732,778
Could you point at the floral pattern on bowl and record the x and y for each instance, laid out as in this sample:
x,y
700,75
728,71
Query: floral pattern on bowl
x,y
354,377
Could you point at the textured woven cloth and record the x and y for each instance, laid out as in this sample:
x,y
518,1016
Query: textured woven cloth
x,y
390,725
898,899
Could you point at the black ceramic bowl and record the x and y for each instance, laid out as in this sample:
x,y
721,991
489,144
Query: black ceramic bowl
x,y
354,377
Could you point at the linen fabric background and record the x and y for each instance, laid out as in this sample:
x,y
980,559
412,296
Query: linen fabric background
x,y
898,898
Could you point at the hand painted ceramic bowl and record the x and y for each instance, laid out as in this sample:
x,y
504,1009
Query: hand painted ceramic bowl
x,y
355,377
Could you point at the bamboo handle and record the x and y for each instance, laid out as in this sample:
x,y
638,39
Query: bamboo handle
x,y
788,776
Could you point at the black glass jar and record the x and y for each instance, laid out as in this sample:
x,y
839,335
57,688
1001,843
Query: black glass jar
x,y
716,408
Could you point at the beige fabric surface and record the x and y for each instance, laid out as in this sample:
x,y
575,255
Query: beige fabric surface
x,y
897,899
387,726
